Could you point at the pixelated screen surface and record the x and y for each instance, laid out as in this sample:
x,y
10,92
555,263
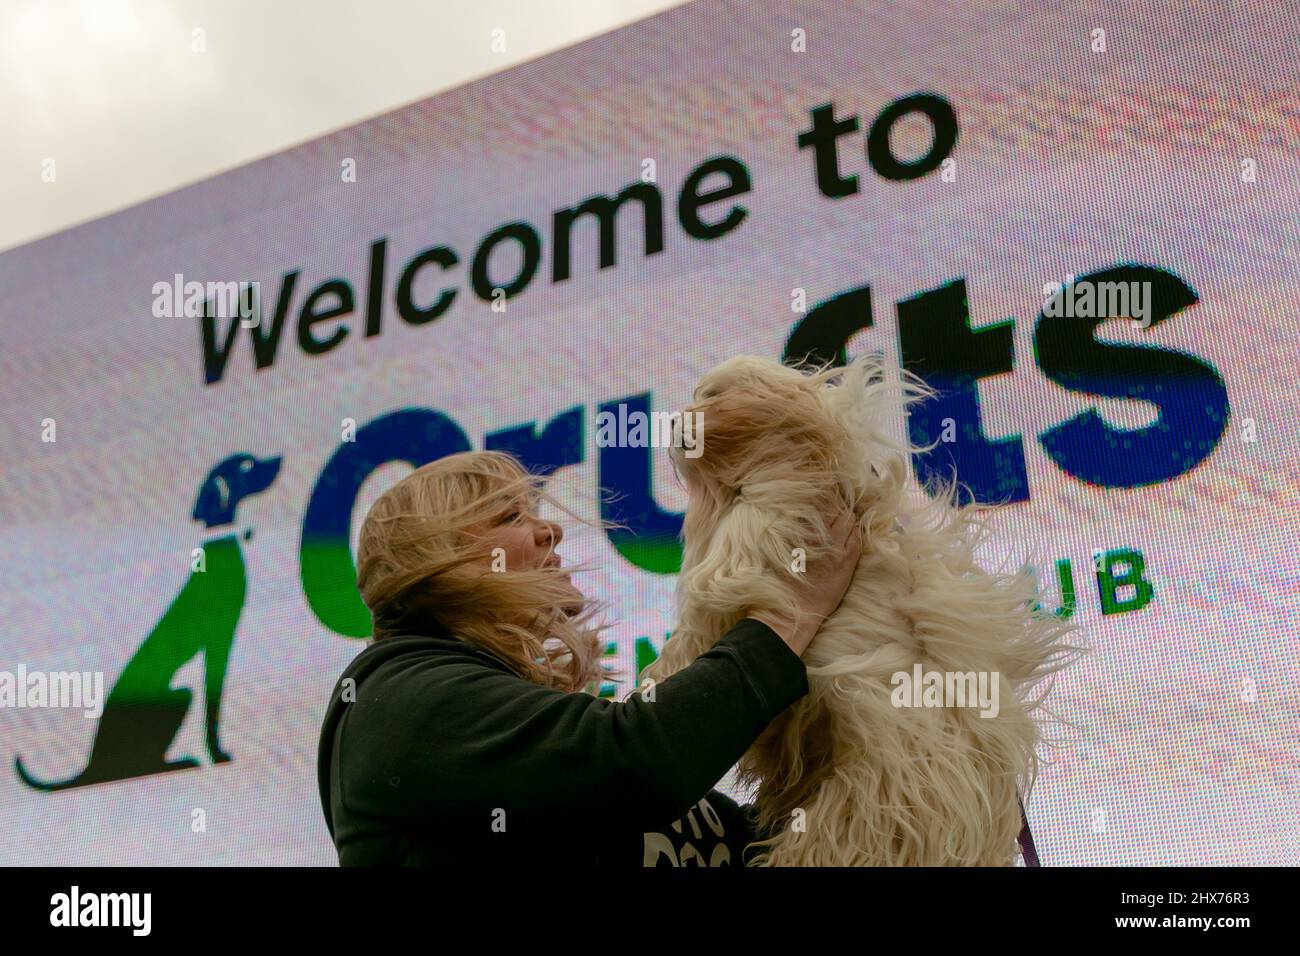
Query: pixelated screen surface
x,y
182,495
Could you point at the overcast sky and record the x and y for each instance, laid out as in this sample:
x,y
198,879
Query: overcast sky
x,y
117,95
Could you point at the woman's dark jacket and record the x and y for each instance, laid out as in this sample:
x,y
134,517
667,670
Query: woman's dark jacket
x,y
436,752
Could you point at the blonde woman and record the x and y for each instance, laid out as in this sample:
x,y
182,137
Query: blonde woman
x,y
465,732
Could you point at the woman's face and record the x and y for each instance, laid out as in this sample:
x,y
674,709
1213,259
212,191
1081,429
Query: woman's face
x,y
525,540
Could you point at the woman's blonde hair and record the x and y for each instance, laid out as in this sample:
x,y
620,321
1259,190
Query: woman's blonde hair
x,y
418,563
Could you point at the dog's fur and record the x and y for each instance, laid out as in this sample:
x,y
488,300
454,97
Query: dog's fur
x,y
877,784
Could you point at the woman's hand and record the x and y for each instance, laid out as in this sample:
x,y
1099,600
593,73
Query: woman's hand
x,y
820,589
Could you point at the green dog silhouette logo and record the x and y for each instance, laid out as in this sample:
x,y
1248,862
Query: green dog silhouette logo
x,y
143,712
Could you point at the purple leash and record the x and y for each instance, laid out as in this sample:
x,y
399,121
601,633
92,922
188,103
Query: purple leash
x,y
1027,849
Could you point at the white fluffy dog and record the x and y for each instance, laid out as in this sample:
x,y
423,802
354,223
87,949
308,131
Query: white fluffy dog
x,y
854,774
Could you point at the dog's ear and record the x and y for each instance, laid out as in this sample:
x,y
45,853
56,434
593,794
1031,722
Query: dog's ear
x,y
757,418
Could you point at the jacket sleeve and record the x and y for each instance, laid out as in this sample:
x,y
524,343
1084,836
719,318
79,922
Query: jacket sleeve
x,y
447,737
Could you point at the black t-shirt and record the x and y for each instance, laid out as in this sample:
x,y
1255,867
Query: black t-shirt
x,y
714,832
434,752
